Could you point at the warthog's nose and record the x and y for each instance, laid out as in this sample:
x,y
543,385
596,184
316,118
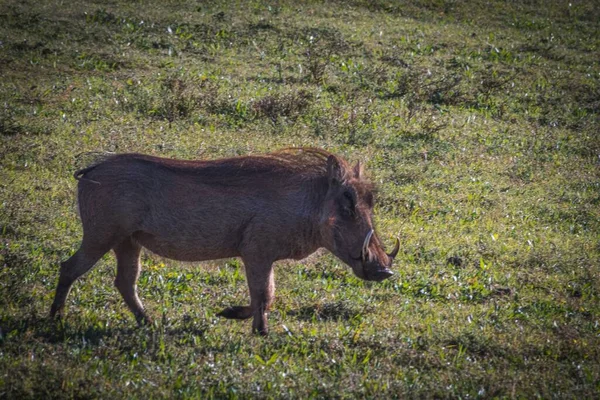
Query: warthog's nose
x,y
379,275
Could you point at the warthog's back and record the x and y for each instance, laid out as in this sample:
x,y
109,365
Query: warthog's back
x,y
195,210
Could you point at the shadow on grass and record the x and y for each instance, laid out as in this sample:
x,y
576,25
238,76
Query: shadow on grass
x,y
56,331
52,331
331,311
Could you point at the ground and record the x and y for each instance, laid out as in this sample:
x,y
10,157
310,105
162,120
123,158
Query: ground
x,y
477,120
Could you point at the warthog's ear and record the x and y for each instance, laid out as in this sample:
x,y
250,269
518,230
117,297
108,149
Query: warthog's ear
x,y
358,170
334,170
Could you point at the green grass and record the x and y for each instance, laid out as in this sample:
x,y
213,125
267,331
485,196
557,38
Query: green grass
x,y
478,121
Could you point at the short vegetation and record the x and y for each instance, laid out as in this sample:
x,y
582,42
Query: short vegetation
x,y
477,120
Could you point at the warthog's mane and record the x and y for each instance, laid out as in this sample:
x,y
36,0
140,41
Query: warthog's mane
x,y
287,165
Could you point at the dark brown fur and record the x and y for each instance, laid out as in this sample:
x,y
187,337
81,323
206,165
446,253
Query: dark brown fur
x,y
260,208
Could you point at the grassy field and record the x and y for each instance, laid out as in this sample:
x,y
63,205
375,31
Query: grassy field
x,y
478,121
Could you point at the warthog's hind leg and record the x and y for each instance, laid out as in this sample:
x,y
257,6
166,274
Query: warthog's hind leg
x,y
236,312
79,263
128,272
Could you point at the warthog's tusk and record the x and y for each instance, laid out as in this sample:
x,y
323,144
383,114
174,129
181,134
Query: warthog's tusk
x,y
365,248
396,248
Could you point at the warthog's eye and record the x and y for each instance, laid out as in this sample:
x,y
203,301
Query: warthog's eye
x,y
348,205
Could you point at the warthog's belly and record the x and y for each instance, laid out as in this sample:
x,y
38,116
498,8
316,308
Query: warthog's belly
x,y
185,249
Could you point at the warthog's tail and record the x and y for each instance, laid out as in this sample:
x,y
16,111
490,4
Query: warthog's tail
x,y
97,159
79,174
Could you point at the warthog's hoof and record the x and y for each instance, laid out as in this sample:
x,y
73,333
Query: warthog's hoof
x,y
143,320
236,312
56,313
261,332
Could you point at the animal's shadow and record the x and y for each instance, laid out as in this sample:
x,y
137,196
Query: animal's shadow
x,y
51,331
45,329
329,311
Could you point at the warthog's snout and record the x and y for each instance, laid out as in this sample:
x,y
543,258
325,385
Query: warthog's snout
x,y
374,267
378,275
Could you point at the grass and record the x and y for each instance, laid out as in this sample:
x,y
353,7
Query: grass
x,y
477,120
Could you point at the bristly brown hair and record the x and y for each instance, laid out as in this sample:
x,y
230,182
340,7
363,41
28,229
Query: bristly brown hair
x,y
290,164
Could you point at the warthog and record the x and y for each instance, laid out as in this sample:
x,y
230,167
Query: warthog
x,y
261,208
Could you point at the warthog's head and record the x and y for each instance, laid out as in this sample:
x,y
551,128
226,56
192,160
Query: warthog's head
x,y
347,223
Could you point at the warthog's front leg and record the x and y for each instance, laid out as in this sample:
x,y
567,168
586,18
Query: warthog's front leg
x,y
262,293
